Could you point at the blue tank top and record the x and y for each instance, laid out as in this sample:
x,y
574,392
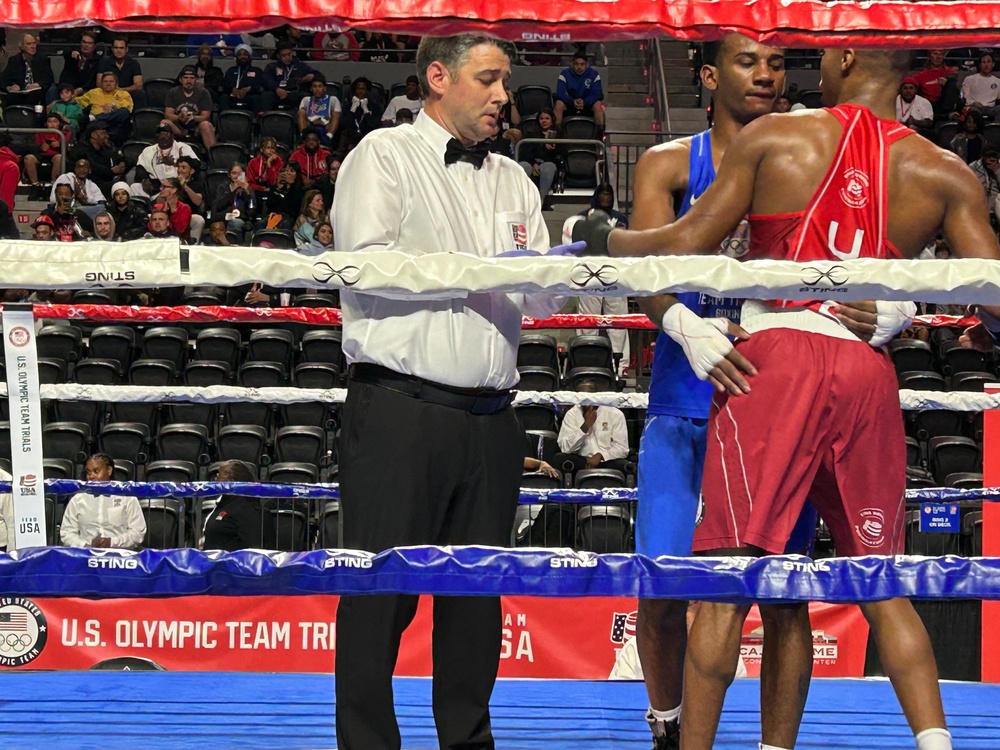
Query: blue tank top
x,y
674,389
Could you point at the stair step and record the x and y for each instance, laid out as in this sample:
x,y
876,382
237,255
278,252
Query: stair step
x,y
627,100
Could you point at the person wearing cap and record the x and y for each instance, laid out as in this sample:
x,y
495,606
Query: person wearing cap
x,y
85,190
126,68
411,100
243,83
44,228
159,161
913,110
188,109
320,112
129,216
208,75
106,163
286,78
69,224
193,191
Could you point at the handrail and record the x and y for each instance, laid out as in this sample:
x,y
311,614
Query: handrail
x,y
658,85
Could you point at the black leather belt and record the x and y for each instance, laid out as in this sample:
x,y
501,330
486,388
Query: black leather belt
x,y
473,400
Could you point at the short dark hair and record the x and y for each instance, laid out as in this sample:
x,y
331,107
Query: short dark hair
x,y
103,457
236,470
282,46
453,53
991,153
318,77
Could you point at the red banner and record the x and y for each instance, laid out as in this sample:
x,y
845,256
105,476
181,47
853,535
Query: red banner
x,y
542,637
906,23
991,538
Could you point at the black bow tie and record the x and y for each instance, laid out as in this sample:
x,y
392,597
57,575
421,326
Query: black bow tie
x,y
474,154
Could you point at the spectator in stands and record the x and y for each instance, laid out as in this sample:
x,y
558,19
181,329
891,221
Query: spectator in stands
x,y
321,242
69,225
330,45
104,227
540,160
782,104
85,190
102,521
49,156
126,68
28,75
310,215
182,220
129,217
67,109
913,110
592,437
579,92
264,169
970,142
8,227
363,115
10,170
406,47
236,200
936,82
159,161
208,75
292,35
193,189
987,170
285,78
243,83
106,163
311,157
188,110
319,112
981,90
239,522
44,228
410,100
216,236
79,66
218,45
376,48
110,105
158,226
327,186
403,117
286,197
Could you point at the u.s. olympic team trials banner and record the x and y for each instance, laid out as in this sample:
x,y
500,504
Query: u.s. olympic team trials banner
x,y
571,638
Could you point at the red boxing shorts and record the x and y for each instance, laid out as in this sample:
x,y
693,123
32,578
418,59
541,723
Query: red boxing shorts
x,y
823,422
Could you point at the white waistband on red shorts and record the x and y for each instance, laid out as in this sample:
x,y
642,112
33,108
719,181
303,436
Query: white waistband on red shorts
x,y
758,316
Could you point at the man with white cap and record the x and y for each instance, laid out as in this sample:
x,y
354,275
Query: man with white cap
x,y
243,83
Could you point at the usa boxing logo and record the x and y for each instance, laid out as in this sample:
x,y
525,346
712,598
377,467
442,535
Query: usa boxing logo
x,y
855,192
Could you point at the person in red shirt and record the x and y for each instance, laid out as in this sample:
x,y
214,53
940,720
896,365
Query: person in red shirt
x,y
264,169
937,83
48,151
838,435
311,156
179,212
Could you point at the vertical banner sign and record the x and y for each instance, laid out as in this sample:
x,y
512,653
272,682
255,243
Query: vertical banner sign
x,y
991,538
27,485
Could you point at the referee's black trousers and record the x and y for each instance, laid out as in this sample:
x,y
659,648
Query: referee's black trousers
x,y
413,472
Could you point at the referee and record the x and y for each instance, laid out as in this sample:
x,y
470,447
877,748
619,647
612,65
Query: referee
x,y
430,450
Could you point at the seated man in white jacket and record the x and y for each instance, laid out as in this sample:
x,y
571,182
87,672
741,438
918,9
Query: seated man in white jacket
x,y
592,437
102,520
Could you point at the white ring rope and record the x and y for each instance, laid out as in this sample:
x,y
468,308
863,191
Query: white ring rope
x,y
224,394
162,263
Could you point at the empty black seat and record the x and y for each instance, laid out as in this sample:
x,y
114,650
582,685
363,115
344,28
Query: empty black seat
x,y
536,417
125,440
300,444
909,355
164,522
965,480
604,529
971,381
113,342
219,344
60,342
922,381
590,351
291,526
603,378
152,372
323,346
171,471
532,99
69,440
271,345
185,442
598,479
245,442
291,472
537,378
952,454
58,468
322,375
315,299
207,372
956,359
93,371
166,342
329,529
261,374
51,371
538,350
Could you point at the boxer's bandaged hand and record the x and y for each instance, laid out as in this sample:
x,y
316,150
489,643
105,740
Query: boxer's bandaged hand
x,y
893,317
703,340
594,230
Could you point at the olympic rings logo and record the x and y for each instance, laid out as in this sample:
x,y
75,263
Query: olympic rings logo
x,y
341,274
583,274
15,644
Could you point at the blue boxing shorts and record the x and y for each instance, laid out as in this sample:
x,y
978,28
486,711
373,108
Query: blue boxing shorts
x,y
671,461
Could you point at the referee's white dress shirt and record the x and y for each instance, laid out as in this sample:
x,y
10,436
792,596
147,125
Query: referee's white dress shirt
x,y
394,192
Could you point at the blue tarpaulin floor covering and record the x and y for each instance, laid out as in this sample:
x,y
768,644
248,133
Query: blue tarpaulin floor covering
x,y
153,710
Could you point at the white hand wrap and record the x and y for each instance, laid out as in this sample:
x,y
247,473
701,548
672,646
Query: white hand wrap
x,y
703,340
893,317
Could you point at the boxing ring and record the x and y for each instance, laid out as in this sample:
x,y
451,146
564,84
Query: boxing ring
x,y
177,709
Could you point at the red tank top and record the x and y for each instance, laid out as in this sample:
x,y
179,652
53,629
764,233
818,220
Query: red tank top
x,y
847,216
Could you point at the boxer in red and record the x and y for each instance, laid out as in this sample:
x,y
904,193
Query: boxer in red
x,y
821,415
